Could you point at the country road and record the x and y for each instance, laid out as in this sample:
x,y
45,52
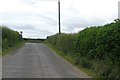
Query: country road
x,y
36,60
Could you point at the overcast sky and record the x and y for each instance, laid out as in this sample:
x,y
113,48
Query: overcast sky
x,y
39,18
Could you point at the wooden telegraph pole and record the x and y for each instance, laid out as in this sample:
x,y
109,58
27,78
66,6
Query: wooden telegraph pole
x,y
59,16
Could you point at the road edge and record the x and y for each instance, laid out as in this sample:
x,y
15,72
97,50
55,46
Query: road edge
x,y
67,61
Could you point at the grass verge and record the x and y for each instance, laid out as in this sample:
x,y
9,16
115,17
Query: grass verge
x,y
10,49
71,60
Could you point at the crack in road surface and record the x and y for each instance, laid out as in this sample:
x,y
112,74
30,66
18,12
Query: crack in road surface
x,y
36,60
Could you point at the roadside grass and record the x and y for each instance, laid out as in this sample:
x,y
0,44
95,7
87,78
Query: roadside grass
x,y
10,49
72,61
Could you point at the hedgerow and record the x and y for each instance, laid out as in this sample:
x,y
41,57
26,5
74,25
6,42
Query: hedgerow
x,y
96,48
9,38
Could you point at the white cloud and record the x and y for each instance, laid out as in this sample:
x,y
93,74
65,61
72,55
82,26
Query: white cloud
x,y
42,15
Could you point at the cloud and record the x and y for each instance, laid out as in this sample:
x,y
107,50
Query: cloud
x,y
40,17
31,31
30,2
119,10
48,20
72,24
35,33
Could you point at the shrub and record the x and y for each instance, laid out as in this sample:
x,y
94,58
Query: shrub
x,y
9,38
96,48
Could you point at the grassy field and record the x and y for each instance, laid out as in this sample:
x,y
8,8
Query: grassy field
x,y
33,40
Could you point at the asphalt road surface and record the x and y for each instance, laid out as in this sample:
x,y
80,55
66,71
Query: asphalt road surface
x,y
36,60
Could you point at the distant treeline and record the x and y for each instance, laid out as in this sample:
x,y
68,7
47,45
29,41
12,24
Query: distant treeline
x,y
96,48
33,40
10,38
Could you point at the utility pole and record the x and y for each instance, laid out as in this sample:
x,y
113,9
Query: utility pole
x,y
59,16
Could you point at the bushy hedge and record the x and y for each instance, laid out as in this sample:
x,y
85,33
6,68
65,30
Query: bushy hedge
x,y
96,48
0,41
9,38
63,42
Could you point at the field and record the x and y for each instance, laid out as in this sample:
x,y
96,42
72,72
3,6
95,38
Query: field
x,y
30,40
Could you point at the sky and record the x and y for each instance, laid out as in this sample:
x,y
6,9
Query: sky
x,y
39,18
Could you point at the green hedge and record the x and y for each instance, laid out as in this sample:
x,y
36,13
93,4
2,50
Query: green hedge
x,y
9,38
63,42
96,48
0,41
